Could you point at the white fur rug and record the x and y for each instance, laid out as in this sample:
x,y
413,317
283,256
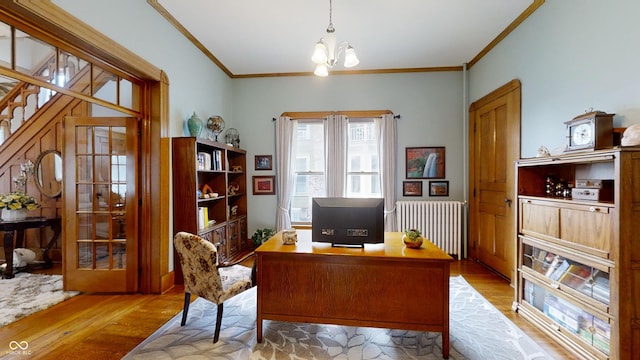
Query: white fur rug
x,y
27,293
477,331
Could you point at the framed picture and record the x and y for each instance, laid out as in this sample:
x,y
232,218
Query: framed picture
x,y
264,162
412,188
425,162
264,185
438,188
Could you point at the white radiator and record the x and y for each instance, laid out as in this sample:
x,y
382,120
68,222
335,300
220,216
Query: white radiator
x,y
441,222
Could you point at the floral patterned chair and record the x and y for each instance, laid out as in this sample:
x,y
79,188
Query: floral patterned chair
x,y
205,277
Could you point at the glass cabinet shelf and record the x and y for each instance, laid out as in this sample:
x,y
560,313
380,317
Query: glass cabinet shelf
x,y
566,272
578,321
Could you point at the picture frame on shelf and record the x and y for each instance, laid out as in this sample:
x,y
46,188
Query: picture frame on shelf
x,y
425,162
264,185
439,188
264,162
412,188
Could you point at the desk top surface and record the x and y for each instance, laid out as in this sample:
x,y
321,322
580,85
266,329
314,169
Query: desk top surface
x,y
393,247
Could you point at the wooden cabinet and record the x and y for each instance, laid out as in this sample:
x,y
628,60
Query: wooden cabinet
x,y
579,260
210,195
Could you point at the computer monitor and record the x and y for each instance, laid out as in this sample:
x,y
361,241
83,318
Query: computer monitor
x,y
350,222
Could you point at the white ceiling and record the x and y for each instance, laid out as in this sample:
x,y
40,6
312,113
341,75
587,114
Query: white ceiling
x,y
251,37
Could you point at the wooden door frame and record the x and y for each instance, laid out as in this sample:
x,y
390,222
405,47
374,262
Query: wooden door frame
x,y
512,86
52,23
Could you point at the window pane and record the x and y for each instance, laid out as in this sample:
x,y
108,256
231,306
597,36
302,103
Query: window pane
x,y
363,179
309,169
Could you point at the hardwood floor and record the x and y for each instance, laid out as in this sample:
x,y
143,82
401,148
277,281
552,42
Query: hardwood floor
x,y
104,327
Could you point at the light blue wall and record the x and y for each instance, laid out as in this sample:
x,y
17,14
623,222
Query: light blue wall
x,y
570,55
196,83
430,106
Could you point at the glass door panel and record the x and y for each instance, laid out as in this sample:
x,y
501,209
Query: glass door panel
x,y
102,244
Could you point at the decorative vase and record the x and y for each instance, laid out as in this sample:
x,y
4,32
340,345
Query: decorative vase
x,y
410,241
14,215
195,125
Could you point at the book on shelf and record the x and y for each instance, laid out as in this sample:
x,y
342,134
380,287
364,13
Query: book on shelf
x,y
217,160
576,275
561,267
201,218
203,161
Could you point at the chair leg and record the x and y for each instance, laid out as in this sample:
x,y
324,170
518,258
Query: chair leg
x,y
216,334
185,309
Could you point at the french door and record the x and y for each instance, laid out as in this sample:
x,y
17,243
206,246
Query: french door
x,y
100,204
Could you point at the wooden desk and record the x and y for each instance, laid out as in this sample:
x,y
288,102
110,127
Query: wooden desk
x,y
383,285
14,230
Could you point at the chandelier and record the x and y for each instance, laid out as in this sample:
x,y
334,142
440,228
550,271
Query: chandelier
x,y
327,51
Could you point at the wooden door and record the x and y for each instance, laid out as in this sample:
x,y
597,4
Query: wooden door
x,y
494,147
100,204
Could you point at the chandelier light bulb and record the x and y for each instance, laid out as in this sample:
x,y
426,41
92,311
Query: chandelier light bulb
x,y
350,58
319,53
321,70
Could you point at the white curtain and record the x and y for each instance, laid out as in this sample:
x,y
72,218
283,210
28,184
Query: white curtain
x,y
285,130
336,135
387,153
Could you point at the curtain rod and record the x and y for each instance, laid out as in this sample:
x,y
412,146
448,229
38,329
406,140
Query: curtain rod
x,y
351,114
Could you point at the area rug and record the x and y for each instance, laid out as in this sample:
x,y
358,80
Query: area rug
x,y
27,293
477,331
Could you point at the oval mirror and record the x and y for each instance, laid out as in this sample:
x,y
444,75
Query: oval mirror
x,y
48,173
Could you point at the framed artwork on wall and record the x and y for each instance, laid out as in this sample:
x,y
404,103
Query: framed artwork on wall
x,y
438,188
412,188
264,185
425,162
264,162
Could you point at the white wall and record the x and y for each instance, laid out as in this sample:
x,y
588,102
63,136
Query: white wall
x,y
430,106
570,55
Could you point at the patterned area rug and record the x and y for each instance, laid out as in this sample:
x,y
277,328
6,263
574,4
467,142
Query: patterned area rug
x,y
477,331
28,293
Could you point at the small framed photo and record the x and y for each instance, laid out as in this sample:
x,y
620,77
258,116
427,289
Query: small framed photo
x,y
425,162
412,188
264,185
264,162
439,188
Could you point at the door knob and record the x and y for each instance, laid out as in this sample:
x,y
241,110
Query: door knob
x,y
507,201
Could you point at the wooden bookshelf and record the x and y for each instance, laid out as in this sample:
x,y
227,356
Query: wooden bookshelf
x,y
210,195
579,260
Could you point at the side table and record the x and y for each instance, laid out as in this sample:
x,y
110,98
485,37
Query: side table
x,y
14,238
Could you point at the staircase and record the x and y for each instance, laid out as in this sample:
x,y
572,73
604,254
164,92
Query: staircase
x,y
21,101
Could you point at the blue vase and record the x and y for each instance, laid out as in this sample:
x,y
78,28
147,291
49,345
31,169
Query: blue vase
x,y
195,125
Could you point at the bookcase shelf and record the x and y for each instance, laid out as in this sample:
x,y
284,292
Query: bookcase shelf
x,y
209,195
579,260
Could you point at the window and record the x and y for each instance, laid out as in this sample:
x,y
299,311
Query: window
x,y
309,168
363,173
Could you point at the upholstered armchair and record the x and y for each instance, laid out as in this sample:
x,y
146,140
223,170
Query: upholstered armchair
x,y
205,277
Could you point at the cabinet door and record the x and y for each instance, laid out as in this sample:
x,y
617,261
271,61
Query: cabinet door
x,y
540,219
583,227
244,234
589,226
219,236
233,245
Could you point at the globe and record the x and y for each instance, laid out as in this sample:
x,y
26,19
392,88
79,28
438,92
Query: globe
x,y
215,124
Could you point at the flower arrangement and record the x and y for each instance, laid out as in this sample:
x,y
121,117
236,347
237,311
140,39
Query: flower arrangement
x,y
18,200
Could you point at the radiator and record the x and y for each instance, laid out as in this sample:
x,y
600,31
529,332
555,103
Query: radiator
x,y
441,222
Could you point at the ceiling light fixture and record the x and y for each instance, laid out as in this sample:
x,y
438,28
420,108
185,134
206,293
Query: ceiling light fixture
x,y
327,51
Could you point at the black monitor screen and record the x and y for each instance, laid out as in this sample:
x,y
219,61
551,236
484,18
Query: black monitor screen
x,y
348,221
